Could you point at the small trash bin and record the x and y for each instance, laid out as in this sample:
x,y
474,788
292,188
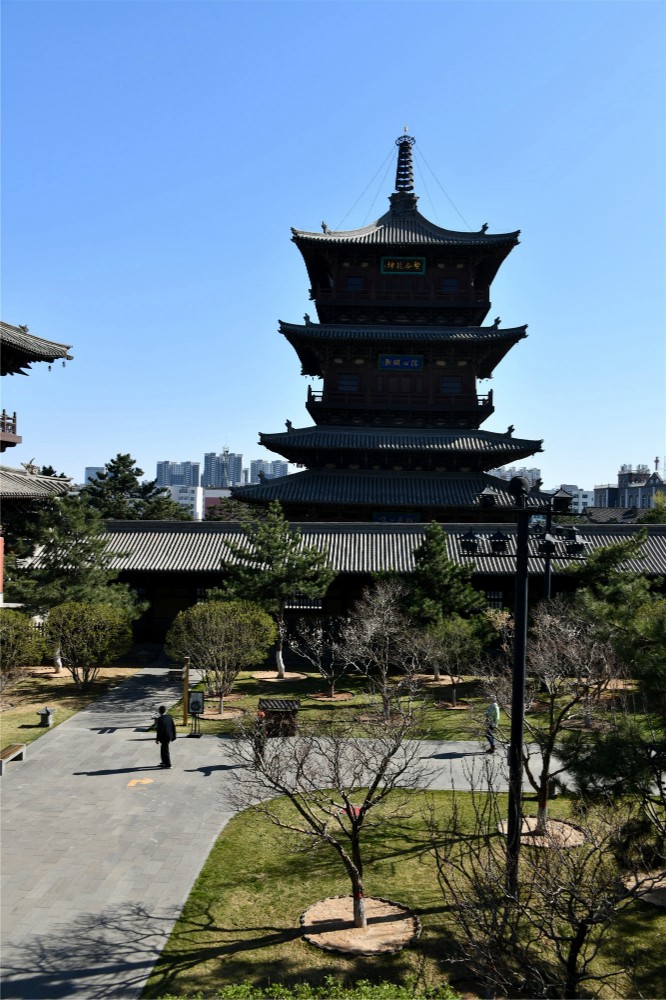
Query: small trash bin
x,y
279,716
46,716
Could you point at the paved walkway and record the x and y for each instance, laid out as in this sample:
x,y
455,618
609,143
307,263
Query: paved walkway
x,y
100,846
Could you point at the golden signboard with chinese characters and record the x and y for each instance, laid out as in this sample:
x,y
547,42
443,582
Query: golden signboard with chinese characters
x,y
403,265
400,362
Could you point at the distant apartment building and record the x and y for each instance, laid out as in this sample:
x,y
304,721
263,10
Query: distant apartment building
x,y
533,476
178,473
636,487
189,497
222,470
91,472
261,469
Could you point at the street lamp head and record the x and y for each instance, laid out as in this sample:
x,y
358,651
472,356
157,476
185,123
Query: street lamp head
x,y
547,545
469,543
498,542
487,497
519,487
561,502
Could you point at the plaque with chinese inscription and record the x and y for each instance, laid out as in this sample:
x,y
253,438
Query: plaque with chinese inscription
x,y
403,265
395,518
400,362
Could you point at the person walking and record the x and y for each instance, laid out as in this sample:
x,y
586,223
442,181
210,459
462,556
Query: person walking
x,y
492,722
165,728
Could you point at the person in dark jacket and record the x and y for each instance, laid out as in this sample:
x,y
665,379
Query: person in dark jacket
x,y
166,733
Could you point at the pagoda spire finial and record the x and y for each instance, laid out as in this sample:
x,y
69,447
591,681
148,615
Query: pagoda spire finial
x,y
404,175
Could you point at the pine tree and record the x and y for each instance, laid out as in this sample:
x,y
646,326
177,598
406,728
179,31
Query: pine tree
x,y
439,587
270,565
118,493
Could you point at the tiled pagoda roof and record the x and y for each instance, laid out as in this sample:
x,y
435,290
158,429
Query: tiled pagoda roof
x,y
19,349
501,448
491,342
363,488
384,332
403,228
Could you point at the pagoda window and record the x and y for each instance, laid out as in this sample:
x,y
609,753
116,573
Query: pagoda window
x,y
354,283
348,383
450,385
450,284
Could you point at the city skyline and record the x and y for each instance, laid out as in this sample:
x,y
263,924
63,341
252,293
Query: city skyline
x,y
170,472
160,250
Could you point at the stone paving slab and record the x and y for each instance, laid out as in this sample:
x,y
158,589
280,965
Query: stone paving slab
x,y
101,846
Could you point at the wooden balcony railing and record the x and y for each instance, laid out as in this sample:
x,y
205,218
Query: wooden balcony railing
x,y
400,401
7,423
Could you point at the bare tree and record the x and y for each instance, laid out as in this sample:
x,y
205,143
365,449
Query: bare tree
x,y
452,645
318,642
378,641
568,670
333,784
545,942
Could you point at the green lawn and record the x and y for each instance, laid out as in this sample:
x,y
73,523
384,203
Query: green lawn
x,y
19,722
438,723
241,921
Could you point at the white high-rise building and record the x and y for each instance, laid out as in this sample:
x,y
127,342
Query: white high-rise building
x,y
223,470
178,473
267,470
91,472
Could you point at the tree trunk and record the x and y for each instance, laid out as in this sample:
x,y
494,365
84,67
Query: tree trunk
x,y
542,799
57,660
572,975
454,691
279,662
360,919
436,674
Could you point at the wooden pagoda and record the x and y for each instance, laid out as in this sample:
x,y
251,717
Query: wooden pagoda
x,y
400,348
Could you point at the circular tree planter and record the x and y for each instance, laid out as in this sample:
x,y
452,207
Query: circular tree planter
x,y
656,896
325,696
272,677
226,713
559,833
329,925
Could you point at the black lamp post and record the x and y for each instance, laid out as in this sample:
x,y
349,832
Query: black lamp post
x,y
519,488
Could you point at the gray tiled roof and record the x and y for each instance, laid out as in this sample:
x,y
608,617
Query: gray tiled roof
x,y
397,440
381,489
21,484
199,546
438,334
396,228
20,348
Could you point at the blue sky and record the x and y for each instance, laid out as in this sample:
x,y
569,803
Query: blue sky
x,y
156,154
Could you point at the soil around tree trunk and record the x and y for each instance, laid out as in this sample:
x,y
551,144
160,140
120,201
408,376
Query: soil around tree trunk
x,y
329,925
272,677
559,833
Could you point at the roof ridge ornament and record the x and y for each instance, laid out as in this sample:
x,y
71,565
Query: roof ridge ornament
x,y
404,175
